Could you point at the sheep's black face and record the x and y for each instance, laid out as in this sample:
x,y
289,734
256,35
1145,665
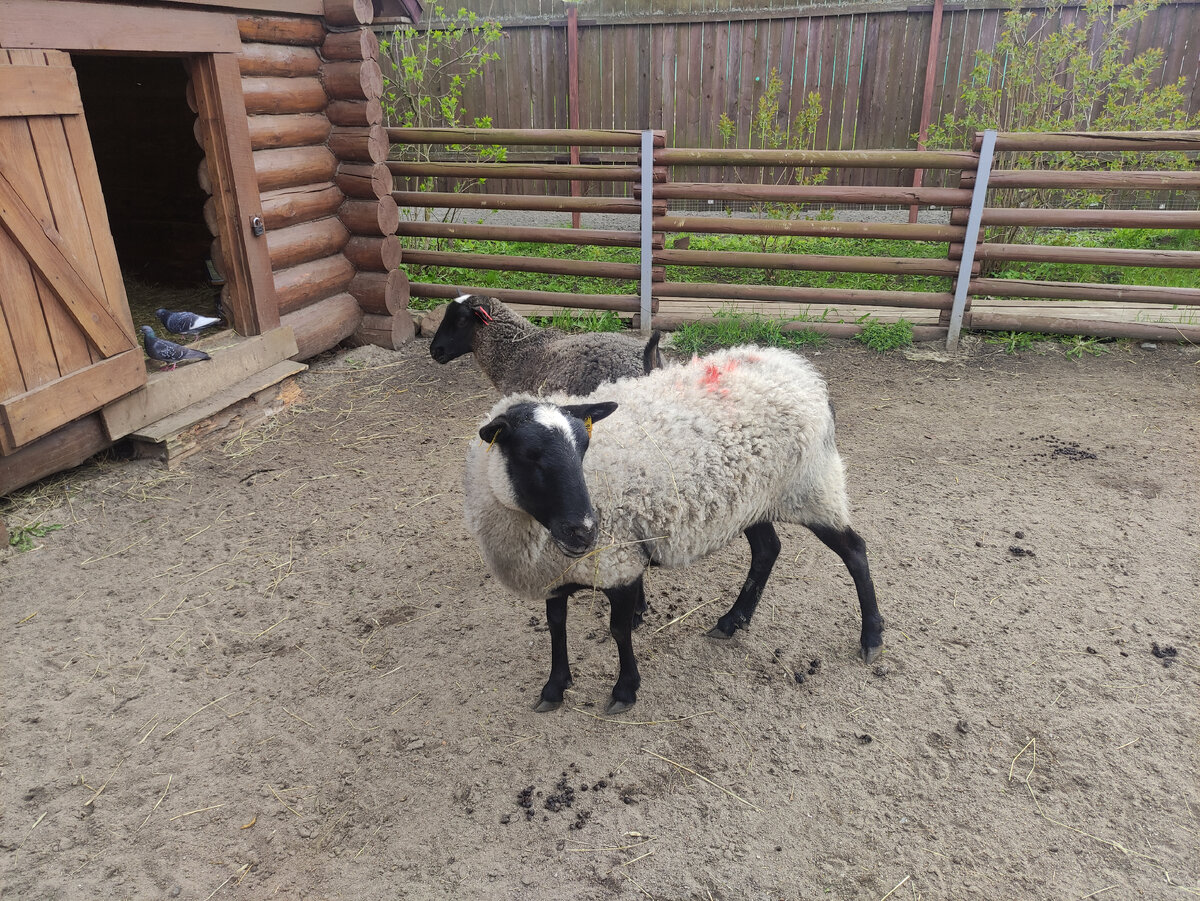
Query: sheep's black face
x,y
456,335
543,447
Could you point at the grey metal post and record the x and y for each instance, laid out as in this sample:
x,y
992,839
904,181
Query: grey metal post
x,y
647,258
978,201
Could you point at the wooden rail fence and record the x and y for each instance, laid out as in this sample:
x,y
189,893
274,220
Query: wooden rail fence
x,y
991,303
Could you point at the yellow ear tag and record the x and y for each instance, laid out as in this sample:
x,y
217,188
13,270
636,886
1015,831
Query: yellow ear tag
x,y
587,424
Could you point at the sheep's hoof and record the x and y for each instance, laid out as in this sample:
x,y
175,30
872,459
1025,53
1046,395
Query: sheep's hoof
x,y
715,632
544,706
615,707
870,655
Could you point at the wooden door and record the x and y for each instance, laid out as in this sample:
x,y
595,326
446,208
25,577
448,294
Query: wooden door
x,y
67,344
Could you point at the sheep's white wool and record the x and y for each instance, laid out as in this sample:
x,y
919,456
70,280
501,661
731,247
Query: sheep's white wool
x,y
462,298
692,456
554,418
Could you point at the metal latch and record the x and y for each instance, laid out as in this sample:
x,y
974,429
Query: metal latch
x,y
256,226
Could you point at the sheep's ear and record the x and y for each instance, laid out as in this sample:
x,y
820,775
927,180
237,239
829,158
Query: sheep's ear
x,y
594,412
494,429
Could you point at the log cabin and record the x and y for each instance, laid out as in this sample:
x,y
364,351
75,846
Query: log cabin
x,y
232,147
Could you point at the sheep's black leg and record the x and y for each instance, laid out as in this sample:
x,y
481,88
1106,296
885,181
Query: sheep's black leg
x,y
764,549
848,545
640,607
622,602
560,667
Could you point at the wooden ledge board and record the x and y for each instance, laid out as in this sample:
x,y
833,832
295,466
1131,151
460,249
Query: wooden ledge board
x,y
116,27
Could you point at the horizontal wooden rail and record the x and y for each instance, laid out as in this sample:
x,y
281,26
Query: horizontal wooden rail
x,y
470,231
1096,141
535,202
621,303
1013,287
1085,218
547,172
923,300
810,261
1098,256
1103,181
724,225
507,263
812,194
552,137
668,321
1098,328
877,159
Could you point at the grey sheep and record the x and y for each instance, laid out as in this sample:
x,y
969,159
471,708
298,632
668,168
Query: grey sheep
x,y
686,459
517,355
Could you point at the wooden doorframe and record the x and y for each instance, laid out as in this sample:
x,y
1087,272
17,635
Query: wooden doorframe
x,y
208,41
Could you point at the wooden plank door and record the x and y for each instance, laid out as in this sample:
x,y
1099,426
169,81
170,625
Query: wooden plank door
x,y
67,344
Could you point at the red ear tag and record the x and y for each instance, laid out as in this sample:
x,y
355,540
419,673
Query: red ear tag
x,y
483,315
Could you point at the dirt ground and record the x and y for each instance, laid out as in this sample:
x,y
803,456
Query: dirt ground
x,y
281,670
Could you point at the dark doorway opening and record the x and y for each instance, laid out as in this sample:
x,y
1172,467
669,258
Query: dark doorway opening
x,y
142,133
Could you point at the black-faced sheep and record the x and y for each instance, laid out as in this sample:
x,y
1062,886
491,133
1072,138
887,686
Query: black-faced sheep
x,y
517,355
687,458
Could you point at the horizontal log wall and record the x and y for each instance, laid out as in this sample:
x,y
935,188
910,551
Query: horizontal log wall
x,y
312,88
353,80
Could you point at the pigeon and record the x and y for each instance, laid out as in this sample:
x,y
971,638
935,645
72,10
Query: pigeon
x,y
182,323
168,351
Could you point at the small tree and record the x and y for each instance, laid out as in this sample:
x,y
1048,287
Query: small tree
x,y
425,73
769,129
1045,74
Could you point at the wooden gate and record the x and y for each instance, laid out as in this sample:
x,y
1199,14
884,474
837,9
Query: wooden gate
x,y
67,344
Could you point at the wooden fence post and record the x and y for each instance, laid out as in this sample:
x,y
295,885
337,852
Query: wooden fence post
x,y
971,239
573,94
935,40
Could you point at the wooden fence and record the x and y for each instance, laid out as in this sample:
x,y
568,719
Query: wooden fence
x,y
677,65
1167,313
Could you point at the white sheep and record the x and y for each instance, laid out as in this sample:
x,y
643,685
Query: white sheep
x,y
517,355
687,458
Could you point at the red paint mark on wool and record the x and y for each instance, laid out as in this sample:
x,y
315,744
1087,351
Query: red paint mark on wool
x,y
711,379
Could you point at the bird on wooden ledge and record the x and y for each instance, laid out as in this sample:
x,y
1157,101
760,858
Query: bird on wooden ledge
x,y
168,351
184,323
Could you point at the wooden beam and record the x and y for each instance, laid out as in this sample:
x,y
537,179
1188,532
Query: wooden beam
x,y
218,86
167,392
117,28
924,300
29,416
621,303
69,446
558,137
38,91
54,263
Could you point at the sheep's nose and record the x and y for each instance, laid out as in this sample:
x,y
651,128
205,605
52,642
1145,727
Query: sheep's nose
x,y
577,539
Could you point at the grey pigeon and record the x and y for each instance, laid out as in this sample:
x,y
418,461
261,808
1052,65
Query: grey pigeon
x,y
168,351
183,323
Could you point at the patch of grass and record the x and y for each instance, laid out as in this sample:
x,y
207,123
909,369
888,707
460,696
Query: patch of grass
x,y
21,537
885,336
1077,345
1014,342
733,328
581,321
